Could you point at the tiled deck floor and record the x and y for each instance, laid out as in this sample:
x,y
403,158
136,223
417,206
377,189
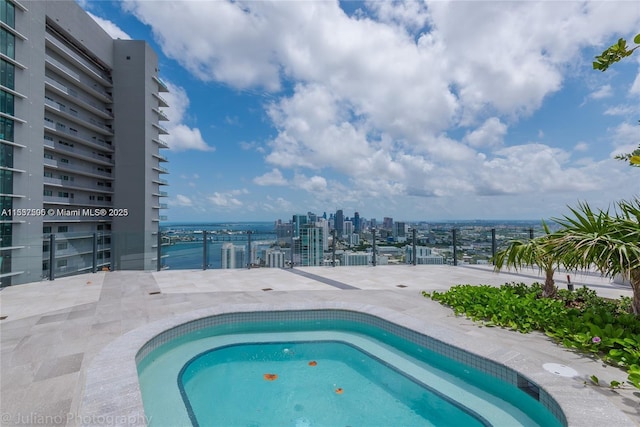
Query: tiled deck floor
x,y
53,330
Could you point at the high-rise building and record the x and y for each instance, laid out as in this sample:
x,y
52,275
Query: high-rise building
x,y
233,256
80,140
284,232
339,223
357,226
400,230
275,258
311,245
347,228
298,221
387,223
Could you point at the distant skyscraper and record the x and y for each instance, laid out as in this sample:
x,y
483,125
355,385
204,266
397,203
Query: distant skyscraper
x,y
275,258
339,222
399,230
284,232
311,248
298,222
233,256
348,228
357,227
387,223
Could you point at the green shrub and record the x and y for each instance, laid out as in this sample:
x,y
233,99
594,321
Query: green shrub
x,y
580,320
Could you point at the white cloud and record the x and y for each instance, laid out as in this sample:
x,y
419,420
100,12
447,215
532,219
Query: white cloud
x,y
112,29
315,184
581,146
225,200
635,86
181,137
604,91
182,200
383,97
622,110
271,178
625,138
490,134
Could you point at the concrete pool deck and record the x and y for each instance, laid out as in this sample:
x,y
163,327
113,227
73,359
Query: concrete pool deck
x,y
53,331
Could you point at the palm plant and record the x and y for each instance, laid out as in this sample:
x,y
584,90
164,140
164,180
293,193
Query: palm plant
x,y
532,252
608,242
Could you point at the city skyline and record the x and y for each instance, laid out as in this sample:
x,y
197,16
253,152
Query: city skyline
x,y
413,111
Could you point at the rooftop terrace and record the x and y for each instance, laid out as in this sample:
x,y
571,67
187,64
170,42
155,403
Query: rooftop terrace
x,y
54,335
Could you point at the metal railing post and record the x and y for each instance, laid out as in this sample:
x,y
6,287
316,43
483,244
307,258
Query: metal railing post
x,y
415,250
494,245
95,253
249,249
52,256
333,248
204,249
373,250
159,251
455,249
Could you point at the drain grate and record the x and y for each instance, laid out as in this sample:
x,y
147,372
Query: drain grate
x,y
401,286
267,289
154,293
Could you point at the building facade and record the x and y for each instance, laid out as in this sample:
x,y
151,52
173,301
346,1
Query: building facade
x,y
233,256
80,145
311,247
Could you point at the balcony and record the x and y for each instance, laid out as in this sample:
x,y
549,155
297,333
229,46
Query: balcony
x,y
160,158
78,153
91,70
162,87
161,101
74,96
91,141
161,143
161,115
79,169
160,181
74,116
160,169
73,76
161,130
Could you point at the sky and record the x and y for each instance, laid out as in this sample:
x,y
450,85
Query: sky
x,y
412,110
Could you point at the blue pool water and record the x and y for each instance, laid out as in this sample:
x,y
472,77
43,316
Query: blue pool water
x,y
341,380
215,376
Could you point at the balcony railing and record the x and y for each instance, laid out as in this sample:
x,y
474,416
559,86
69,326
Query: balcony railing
x,y
207,246
74,95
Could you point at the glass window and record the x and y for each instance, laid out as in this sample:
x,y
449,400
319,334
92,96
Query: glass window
x,y
7,43
7,74
46,229
6,155
6,181
63,228
6,103
6,129
8,13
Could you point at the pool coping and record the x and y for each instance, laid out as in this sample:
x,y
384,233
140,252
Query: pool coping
x,y
112,393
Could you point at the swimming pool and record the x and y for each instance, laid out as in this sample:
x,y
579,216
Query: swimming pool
x,y
438,380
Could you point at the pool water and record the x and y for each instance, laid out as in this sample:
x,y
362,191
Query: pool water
x,y
323,383
215,376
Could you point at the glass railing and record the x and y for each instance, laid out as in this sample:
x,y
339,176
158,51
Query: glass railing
x,y
62,253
